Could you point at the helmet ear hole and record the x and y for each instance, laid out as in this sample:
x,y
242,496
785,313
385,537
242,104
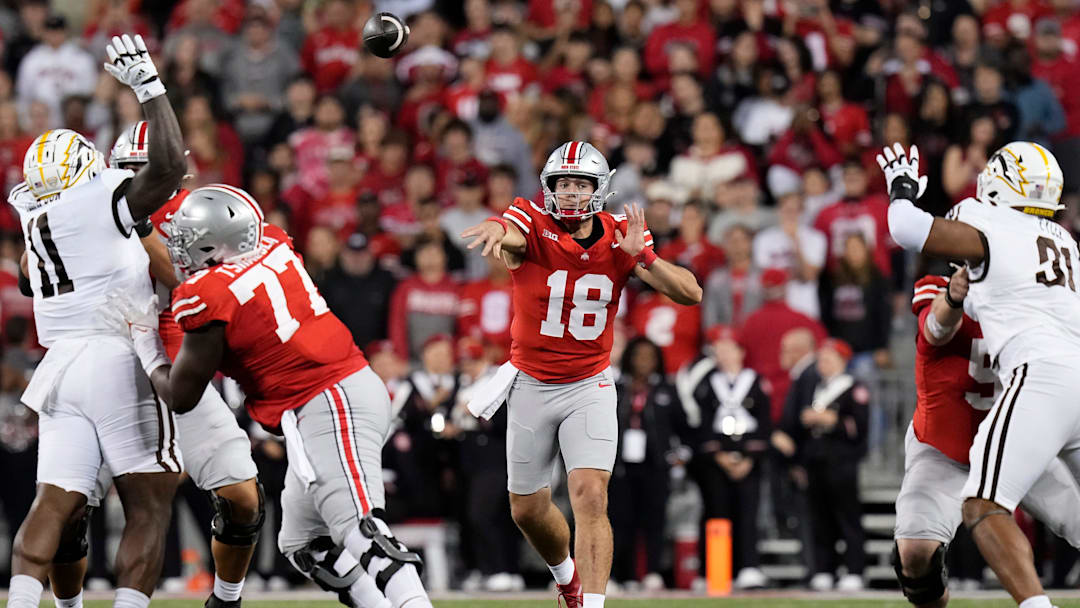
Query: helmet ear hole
x,y
232,213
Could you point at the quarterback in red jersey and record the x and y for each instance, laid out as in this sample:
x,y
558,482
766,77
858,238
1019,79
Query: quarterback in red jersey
x,y
955,387
250,310
569,260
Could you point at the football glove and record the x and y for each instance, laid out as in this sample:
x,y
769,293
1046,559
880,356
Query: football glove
x,y
130,63
902,173
142,327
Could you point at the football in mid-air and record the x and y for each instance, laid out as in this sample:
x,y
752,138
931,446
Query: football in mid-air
x,y
385,35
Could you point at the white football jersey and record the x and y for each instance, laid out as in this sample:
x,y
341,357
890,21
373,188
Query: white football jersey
x,y
1024,293
79,247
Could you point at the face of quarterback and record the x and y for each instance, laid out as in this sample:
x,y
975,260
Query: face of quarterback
x,y
573,193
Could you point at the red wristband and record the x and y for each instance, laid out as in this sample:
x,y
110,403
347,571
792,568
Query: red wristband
x,y
498,219
647,257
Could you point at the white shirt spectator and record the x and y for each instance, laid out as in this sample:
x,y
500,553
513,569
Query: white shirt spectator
x,y
773,248
50,74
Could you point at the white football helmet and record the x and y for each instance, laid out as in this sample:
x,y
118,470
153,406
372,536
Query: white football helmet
x,y
576,159
132,147
1022,175
59,159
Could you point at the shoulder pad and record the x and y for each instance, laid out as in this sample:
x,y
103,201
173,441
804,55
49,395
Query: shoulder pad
x,y
112,178
21,198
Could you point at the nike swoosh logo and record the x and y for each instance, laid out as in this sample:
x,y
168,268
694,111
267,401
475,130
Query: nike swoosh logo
x,y
602,385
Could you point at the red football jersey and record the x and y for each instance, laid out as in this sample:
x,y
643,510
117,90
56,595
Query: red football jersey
x,y
954,384
171,334
676,329
565,297
284,345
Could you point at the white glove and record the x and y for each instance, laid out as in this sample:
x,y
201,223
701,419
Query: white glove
x,y
142,327
130,63
902,173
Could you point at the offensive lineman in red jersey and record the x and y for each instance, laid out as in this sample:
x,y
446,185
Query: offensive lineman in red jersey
x,y
955,387
569,261
251,310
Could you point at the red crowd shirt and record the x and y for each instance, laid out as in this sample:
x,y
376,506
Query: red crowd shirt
x,y
283,345
329,55
511,79
996,19
701,257
676,329
761,334
415,297
544,12
700,36
487,312
847,124
868,217
1061,74
565,297
950,403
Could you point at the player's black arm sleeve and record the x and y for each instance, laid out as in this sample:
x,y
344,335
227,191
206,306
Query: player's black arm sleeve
x,y
155,183
182,385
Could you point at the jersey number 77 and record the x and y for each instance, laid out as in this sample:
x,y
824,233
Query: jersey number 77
x,y
267,273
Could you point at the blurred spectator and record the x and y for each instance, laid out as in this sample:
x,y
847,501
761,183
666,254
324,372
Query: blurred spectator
x,y
650,424
820,190
625,71
425,72
795,248
486,310
547,18
472,40
734,79
456,158
802,146
185,74
387,365
763,331
631,24
215,148
254,75
1014,18
934,129
462,97
428,216
358,291
1041,116
912,62
496,142
321,248
764,116
13,144
639,163
687,98
963,53
989,99
335,208
211,24
734,292
855,304
739,203
18,424
416,453
727,406
690,248
861,212
424,304
827,425
372,82
1058,68
110,18
481,457
386,173
572,54
964,160
31,30
674,328
330,52
297,111
844,122
56,68
687,29
710,161
501,185
508,73
311,144
468,210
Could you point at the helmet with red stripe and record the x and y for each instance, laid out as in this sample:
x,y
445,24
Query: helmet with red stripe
x,y
926,289
215,224
131,148
575,159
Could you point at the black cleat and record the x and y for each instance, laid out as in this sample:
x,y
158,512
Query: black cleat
x,y
214,602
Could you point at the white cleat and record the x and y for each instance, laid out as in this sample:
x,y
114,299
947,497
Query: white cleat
x,y
750,578
652,582
850,582
822,581
501,582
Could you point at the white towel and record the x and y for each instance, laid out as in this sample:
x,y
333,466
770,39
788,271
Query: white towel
x,y
294,449
39,393
489,397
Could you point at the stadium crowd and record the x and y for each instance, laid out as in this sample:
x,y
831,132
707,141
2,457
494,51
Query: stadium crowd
x,y
746,127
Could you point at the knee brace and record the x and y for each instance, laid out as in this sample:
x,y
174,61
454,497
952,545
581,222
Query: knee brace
x,y
329,566
928,587
386,546
73,544
230,532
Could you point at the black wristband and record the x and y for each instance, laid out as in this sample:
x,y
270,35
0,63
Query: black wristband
x,y
24,285
950,301
144,228
904,188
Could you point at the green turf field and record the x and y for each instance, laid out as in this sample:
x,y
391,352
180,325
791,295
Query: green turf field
x,y
612,603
